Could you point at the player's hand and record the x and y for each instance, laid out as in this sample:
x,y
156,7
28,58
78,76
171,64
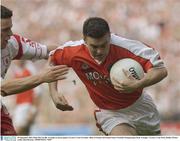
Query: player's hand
x,y
128,85
54,73
61,102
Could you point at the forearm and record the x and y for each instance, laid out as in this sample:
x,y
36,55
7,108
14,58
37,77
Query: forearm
x,y
153,76
10,87
58,99
53,89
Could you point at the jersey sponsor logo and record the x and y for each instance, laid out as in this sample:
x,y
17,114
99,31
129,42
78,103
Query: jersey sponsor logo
x,y
97,78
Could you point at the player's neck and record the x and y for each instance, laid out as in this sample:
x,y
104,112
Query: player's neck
x,y
97,61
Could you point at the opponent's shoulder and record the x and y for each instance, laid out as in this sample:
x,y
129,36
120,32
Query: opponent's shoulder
x,y
17,41
14,40
13,45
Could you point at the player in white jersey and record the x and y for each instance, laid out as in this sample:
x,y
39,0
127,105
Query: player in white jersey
x,y
20,48
17,47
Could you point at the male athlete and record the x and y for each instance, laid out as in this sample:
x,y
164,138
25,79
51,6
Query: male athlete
x,y
124,108
17,47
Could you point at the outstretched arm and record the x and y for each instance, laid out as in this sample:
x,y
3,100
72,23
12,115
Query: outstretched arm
x,y
49,74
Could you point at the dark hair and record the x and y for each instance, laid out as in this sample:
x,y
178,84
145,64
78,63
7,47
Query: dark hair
x,y
95,27
5,12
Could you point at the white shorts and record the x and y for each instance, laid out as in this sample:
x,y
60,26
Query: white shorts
x,y
142,116
22,113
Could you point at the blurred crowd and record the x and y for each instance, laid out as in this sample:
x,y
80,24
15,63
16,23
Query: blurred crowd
x,y
154,22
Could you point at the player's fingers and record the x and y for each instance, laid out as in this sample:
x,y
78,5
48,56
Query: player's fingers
x,y
115,81
118,88
56,78
59,67
118,83
65,107
64,99
68,108
60,73
126,72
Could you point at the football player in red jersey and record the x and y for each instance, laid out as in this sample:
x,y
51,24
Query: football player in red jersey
x,y
17,47
124,108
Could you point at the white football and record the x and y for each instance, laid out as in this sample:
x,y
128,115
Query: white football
x,y
128,64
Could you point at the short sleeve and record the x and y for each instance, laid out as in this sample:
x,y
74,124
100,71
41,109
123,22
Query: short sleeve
x,y
23,48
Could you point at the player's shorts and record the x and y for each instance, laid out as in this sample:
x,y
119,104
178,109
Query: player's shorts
x,y
7,127
142,116
22,113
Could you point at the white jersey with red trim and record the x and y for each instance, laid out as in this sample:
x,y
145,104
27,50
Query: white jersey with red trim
x,y
21,48
95,76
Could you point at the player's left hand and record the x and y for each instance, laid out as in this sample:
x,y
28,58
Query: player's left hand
x,y
62,104
128,85
60,101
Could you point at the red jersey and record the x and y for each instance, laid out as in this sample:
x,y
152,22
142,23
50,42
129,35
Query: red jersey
x,y
96,77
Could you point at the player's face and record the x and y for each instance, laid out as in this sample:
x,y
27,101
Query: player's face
x,y
6,25
98,48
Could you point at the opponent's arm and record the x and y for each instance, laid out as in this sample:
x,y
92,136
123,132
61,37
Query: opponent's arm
x,y
49,74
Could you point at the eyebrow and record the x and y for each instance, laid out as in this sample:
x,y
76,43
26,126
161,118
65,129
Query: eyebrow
x,y
99,45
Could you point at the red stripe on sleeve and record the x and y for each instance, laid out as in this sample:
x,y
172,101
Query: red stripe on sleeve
x,y
20,51
148,65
